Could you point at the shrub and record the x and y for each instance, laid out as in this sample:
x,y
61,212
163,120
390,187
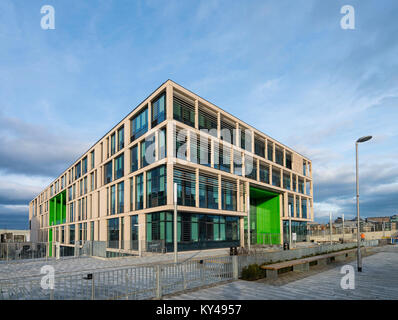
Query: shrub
x,y
253,272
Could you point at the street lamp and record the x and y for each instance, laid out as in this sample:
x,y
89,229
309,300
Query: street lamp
x,y
359,260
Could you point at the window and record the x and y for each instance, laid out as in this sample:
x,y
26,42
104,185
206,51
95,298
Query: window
x,y
264,173
294,183
202,151
228,131
134,158
208,121
297,207
276,177
78,172
208,191
139,124
113,233
259,147
181,140
120,197
270,151
92,231
185,180
301,185
113,202
184,111
286,181
279,156
156,187
290,206
162,143
148,151
288,160
120,139
84,166
250,168
134,232
92,160
222,158
119,167
72,234
158,110
228,195
246,139
92,176
85,185
139,192
304,168
304,208
113,144
108,172
237,163
70,194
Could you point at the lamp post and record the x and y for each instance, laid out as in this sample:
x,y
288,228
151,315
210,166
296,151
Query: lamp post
x,y
175,223
359,259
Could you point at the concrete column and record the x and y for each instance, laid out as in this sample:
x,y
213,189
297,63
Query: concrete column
x,y
149,115
169,102
197,187
142,230
219,125
219,192
196,114
170,180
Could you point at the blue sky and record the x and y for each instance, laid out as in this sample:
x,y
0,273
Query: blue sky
x,y
285,67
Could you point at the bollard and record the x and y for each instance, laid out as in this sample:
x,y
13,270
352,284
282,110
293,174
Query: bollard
x,y
158,282
235,269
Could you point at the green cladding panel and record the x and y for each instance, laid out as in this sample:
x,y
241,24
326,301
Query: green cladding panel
x,y
265,216
57,209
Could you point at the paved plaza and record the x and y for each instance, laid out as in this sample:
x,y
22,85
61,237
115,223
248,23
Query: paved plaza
x,y
379,280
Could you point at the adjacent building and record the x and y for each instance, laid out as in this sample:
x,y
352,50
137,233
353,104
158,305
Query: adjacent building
x,y
120,191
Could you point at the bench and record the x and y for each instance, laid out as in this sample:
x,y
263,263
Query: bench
x,y
303,264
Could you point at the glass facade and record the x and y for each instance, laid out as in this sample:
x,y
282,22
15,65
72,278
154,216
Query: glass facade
x,y
185,187
156,187
208,192
139,192
134,232
113,144
134,158
139,124
113,233
298,227
120,139
119,167
108,172
158,110
183,111
276,177
120,197
195,231
228,195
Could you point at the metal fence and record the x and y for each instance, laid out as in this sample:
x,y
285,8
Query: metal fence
x,y
10,251
152,281
141,282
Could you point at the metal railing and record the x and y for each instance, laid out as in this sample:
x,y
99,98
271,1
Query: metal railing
x,y
11,251
141,282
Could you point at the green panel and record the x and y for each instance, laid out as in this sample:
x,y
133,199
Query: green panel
x,y
57,209
50,240
265,215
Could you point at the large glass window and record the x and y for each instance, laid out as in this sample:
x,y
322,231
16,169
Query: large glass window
x,y
113,233
84,166
78,171
134,158
92,159
208,121
139,192
301,185
288,160
276,177
113,144
259,147
222,158
134,232
286,181
148,151
208,191
238,163
108,172
185,187
228,195
270,151
184,111
297,227
113,200
264,173
119,166
72,234
279,156
158,110
162,143
181,139
250,168
139,124
120,197
156,187
120,139
245,139
304,208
